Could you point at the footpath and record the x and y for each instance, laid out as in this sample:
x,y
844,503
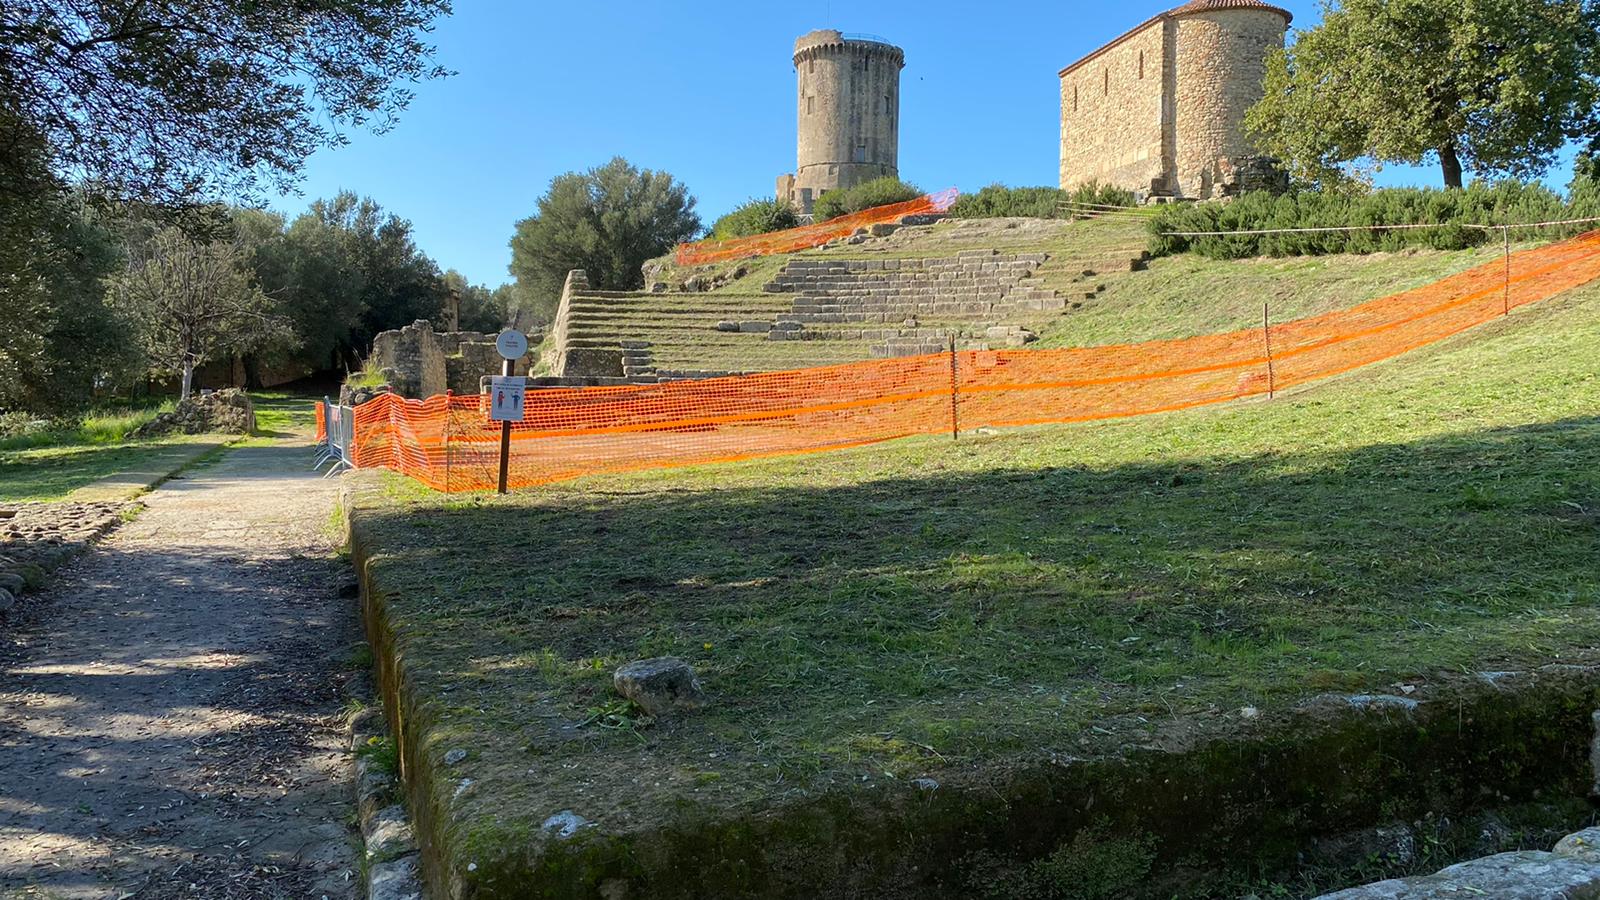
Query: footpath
x,y
171,708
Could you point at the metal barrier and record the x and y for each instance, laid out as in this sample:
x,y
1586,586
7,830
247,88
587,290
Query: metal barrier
x,y
336,432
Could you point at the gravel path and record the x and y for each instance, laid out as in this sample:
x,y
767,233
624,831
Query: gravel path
x,y
171,711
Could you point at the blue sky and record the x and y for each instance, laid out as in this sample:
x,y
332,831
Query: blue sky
x,y
706,91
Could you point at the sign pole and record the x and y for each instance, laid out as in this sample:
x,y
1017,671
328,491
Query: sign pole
x,y
508,369
507,394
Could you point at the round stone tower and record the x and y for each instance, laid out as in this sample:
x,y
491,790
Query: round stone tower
x,y
849,114
1222,48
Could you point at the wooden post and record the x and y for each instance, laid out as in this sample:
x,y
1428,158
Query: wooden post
x,y
955,420
1266,331
508,369
447,407
1505,231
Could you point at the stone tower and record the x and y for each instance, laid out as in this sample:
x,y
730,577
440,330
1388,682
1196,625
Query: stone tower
x,y
849,114
1160,110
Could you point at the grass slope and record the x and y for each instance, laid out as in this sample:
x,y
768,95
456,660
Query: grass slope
x,y
1187,295
928,608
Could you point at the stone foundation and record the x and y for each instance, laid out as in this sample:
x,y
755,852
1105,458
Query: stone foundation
x,y
419,362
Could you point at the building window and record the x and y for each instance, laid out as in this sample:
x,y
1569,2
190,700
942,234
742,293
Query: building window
x,y
1107,74
811,105
1074,98
861,153
1141,64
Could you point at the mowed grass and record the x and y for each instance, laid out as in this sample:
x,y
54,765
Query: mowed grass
x,y
48,465
929,607
1186,295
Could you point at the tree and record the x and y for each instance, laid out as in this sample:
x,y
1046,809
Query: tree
x,y
164,100
481,309
607,221
58,340
1493,86
192,303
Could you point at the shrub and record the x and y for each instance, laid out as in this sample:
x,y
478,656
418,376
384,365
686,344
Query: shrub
x,y
1504,203
877,192
755,216
998,201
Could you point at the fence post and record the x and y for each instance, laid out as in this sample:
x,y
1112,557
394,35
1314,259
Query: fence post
x,y
1266,331
1505,231
955,420
449,411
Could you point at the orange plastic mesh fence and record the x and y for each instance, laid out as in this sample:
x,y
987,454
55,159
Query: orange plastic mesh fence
x,y
448,443
807,236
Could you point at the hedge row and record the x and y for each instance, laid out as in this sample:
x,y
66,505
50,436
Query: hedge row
x,y
877,192
998,201
1505,203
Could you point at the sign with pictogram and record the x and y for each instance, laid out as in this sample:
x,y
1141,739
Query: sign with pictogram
x,y
506,393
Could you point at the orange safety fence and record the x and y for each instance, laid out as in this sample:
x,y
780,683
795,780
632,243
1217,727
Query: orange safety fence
x,y
448,443
792,240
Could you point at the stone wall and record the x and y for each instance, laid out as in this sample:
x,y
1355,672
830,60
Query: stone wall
x,y
1221,63
419,362
848,111
1113,114
1157,110
410,360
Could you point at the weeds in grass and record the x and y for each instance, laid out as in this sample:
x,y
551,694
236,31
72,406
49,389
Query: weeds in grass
x,y
382,754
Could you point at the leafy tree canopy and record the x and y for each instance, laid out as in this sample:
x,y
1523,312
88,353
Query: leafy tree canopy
x,y
164,100
192,303
607,221
1493,86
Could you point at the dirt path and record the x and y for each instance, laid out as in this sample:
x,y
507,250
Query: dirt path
x,y
171,717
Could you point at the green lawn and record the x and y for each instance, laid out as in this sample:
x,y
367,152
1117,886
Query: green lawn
x,y
50,465
50,473
1186,295
927,608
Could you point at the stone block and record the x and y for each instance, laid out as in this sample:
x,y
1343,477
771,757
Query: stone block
x,y
660,686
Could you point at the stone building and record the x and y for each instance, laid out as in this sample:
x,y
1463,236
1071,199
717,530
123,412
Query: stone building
x,y
849,114
1160,110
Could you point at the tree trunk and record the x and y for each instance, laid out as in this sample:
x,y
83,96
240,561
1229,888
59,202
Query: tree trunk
x,y
188,380
1450,161
252,372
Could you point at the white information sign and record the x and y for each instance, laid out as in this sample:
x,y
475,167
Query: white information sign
x,y
506,393
512,344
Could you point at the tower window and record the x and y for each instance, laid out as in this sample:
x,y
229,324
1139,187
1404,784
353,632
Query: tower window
x,y
1141,64
1074,98
1107,74
861,153
811,105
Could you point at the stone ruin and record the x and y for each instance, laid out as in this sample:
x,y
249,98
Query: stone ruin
x,y
418,362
